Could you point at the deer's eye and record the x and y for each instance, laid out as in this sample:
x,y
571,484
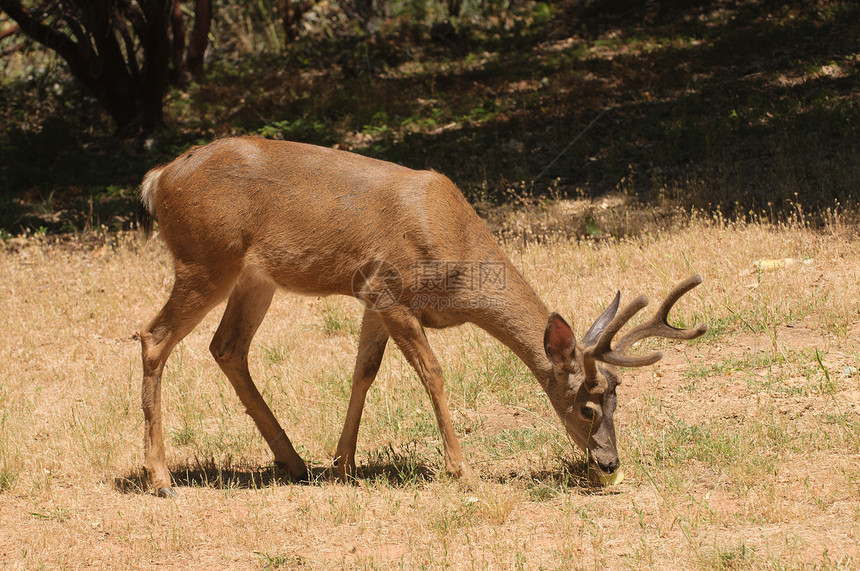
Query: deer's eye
x,y
588,413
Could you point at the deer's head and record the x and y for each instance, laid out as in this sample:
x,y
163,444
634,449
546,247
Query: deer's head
x,y
585,375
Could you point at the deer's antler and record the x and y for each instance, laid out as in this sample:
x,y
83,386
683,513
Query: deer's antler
x,y
657,326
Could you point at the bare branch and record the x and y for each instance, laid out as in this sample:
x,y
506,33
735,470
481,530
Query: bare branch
x,y
32,25
12,49
130,51
9,32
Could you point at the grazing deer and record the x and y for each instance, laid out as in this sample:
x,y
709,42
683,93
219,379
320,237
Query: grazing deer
x,y
244,216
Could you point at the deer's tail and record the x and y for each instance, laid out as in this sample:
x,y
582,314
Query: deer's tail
x,y
146,201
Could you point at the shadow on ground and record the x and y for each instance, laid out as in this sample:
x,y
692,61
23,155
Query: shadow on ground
x,y
209,475
541,484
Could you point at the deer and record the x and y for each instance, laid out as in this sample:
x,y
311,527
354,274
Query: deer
x,y
243,217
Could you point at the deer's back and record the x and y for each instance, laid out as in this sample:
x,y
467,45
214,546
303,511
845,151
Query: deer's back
x,y
310,216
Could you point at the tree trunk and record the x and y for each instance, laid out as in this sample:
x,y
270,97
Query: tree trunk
x,y
199,35
178,28
292,12
156,49
130,92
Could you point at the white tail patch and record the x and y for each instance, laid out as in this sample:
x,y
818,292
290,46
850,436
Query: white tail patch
x,y
148,188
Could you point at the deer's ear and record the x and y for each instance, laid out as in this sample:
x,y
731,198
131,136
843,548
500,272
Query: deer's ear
x,y
593,334
558,340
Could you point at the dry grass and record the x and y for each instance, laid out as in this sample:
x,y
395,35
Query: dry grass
x,y
742,449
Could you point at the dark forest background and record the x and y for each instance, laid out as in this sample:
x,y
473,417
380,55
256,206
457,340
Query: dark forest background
x,y
739,107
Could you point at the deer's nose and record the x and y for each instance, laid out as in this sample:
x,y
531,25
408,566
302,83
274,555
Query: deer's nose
x,y
609,467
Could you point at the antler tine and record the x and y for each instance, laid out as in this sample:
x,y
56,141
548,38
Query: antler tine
x,y
602,350
658,325
604,342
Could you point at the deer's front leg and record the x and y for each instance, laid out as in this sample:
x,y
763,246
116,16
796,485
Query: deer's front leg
x,y
408,334
371,347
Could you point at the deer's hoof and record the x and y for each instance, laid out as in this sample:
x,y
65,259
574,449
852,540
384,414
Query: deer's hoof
x,y
343,469
462,472
165,492
297,473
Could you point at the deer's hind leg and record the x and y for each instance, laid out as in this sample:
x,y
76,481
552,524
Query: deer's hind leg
x,y
245,311
195,292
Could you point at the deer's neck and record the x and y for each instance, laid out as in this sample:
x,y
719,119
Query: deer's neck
x,y
517,317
